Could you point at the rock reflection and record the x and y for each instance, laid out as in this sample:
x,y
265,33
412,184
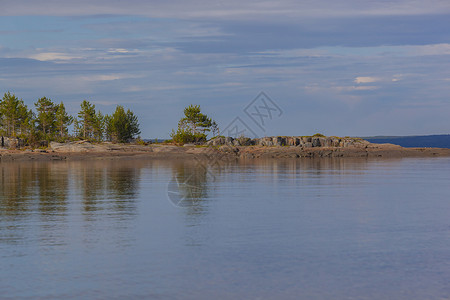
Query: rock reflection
x,y
309,164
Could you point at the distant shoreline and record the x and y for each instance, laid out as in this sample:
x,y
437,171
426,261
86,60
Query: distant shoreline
x,y
109,151
413,141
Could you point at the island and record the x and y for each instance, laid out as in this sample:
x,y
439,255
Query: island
x,y
223,148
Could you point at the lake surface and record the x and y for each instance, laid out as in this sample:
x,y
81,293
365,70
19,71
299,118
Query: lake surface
x,y
300,229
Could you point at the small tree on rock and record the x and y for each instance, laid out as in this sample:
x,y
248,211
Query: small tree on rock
x,y
194,127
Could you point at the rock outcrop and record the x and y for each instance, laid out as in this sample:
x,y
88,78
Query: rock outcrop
x,y
298,141
11,143
86,146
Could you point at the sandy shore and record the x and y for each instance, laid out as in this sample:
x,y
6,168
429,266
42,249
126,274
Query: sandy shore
x,y
107,151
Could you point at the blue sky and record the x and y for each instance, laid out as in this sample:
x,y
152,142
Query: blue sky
x,y
348,68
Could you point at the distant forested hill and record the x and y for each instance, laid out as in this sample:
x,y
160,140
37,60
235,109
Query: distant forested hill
x,y
438,141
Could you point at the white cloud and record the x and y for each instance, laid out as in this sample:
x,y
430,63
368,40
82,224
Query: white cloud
x,y
366,79
294,53
133,89
363,88
376,51
108,77
123,51
432,49
397,77
119,50
53,56
355,88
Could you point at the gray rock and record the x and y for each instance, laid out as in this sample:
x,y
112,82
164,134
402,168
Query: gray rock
x,y
218,141
279,141
335,142
229,141
265,141
323,141
286,141
244,141
316,142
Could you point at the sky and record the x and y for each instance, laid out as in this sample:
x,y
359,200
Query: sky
x,y
344,68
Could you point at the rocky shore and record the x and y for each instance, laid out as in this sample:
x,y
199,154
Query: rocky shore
x,y
299,141
224,148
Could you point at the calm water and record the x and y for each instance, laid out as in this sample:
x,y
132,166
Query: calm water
x,y
306,229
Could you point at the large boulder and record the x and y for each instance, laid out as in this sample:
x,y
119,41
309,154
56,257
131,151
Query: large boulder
x,y
279,141
229,141
243,141
218,141
316,142
335,141
265,141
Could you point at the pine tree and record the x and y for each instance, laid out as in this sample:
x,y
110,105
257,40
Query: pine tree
x,y
121,126
87,120
46,117
98,126
63,120
194,127
26,121
133,125
9,107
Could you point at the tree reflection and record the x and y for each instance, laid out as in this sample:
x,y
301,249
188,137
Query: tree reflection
x,y
17,188
122,187
27,188
108,194
189,186
46,193
53,183
107,189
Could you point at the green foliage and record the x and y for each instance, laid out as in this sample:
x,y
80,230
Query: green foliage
x,y
9,113
46,117
121,126
140,142
318,135
52,122
63,121
15,118
27,124
90,123
195,121
194,127
98,126
185,136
